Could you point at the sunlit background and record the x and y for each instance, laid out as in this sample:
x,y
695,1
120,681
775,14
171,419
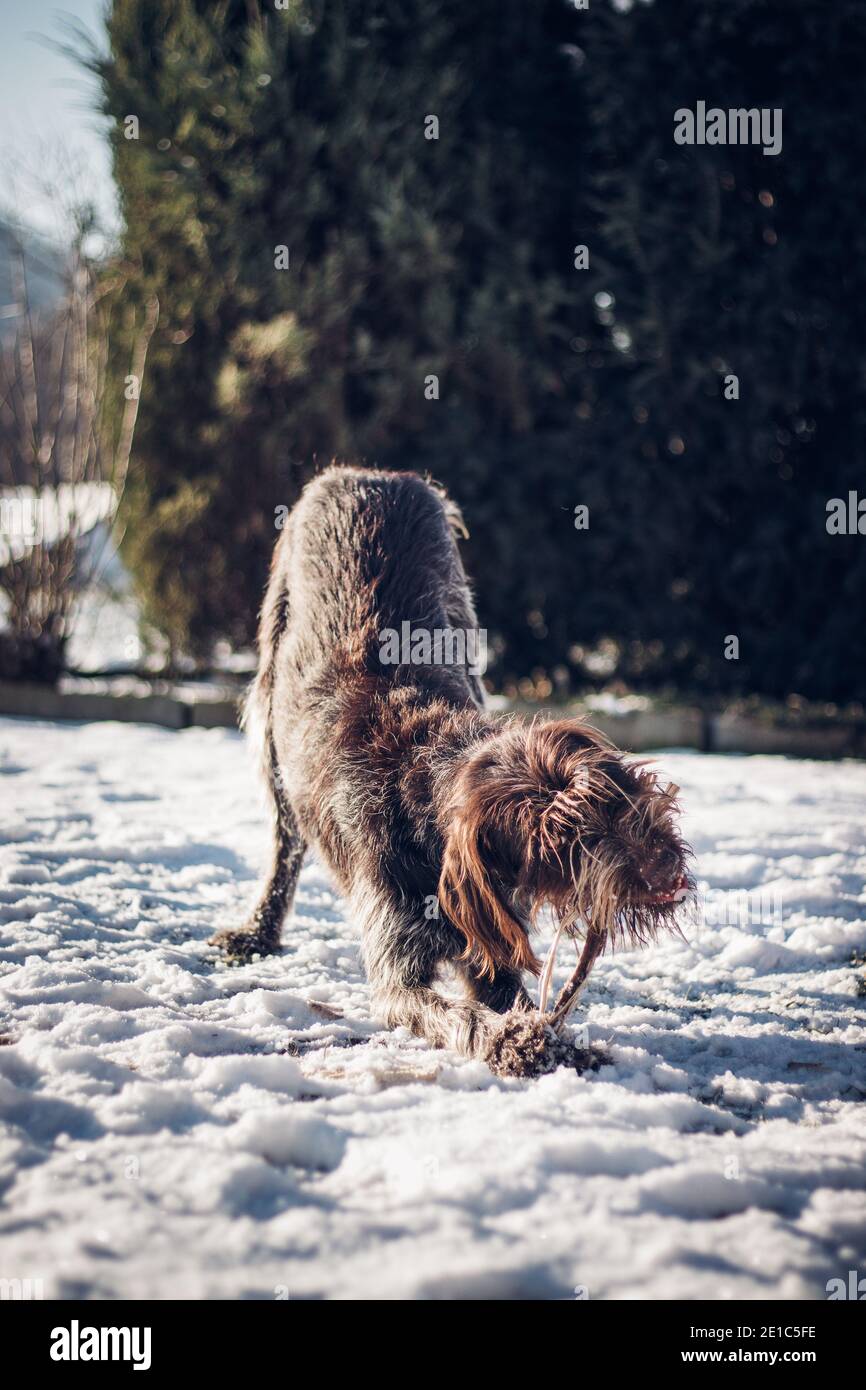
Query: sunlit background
x,y
435,313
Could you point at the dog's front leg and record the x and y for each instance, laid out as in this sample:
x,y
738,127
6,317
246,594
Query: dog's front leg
x,y
402,950
463,1025
516,1043
504,992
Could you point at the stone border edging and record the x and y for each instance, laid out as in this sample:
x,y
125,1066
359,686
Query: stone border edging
x,y
637,731
41,702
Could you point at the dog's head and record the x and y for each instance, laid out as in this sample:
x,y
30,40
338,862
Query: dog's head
x,y
553,814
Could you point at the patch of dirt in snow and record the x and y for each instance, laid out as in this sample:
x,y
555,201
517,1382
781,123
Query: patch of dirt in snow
x,y
175,1128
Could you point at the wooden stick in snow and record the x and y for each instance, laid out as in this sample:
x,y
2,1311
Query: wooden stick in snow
x,y
592,947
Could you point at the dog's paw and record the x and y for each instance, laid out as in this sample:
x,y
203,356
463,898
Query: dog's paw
x,y
239,945
525,1045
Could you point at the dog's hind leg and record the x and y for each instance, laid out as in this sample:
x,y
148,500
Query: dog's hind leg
x,y
261,933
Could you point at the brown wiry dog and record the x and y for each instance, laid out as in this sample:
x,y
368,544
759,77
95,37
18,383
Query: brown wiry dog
x,y
448,829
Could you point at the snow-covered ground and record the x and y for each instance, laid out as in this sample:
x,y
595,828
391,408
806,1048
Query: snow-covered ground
x,y
176,1128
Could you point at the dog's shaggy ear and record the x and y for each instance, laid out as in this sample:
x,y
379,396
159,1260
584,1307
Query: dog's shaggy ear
x,y
508,805
471,892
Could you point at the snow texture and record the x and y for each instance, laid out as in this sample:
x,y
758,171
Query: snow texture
x,y
174,1128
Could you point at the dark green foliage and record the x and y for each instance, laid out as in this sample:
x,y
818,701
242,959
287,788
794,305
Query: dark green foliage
x,y
723,260
304,127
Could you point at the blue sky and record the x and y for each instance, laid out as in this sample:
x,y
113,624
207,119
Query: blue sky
x,y
46,126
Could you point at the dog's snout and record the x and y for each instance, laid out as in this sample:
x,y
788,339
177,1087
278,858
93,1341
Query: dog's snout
x,y
660,868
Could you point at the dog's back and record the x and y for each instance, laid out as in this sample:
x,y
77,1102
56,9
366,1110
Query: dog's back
x,y
363,554
364,551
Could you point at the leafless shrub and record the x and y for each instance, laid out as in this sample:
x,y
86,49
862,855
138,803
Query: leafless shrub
x,y
67,417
